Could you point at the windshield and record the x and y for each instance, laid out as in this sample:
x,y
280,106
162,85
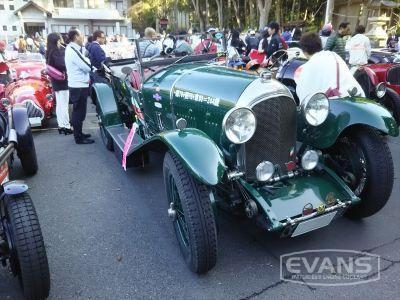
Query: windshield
x,y
24,57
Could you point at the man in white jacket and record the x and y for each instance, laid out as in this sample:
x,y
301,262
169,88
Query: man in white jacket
x,y
322,71
359,47
78,72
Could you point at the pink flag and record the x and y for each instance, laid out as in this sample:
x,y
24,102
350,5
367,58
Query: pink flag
x,y
128,144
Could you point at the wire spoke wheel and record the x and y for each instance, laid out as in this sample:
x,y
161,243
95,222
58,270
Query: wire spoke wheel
x,y
192,215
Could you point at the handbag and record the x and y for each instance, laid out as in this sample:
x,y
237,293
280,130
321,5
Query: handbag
x,y
335,92
54,73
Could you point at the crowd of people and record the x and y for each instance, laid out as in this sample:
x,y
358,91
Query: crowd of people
x,y
79,59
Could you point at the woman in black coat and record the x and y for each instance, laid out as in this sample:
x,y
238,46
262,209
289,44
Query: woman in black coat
x,y
55,57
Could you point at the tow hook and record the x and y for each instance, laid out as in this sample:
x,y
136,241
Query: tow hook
x,y
172,211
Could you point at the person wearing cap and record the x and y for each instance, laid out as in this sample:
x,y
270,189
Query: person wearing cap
x,y
4,69
326,33
336,42
252,41
207,45
275,43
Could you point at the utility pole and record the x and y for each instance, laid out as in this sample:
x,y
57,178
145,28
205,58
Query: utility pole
x,y
329,11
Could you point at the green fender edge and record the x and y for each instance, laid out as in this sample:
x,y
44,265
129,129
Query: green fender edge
x,y
197,151
106,104
344,113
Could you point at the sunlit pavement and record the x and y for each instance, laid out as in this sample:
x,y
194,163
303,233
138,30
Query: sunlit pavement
x,y
108,236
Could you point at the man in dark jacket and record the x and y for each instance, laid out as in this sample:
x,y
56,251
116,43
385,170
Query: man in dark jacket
x,y
336,43
252,41
275,43
96,53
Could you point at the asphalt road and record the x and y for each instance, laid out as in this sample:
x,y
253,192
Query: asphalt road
x,y
108,236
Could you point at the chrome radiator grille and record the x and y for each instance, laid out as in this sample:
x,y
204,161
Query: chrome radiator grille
x,y
275,136
34,110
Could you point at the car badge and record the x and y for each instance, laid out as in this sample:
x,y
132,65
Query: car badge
x,y
321,209
330,199
157,88
290,166
157,97
308,209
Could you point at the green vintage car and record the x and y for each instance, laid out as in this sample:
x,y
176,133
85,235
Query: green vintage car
x,y
238,141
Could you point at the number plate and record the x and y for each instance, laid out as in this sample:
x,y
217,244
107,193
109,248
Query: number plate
x,y
314,223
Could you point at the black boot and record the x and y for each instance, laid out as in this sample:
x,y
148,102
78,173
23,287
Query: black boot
x,y
82,140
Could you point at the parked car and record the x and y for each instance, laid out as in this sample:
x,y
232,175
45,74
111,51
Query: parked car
x,y
239,141
372,78
22,247
31,87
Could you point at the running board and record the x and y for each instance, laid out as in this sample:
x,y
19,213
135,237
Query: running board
x,y
119,135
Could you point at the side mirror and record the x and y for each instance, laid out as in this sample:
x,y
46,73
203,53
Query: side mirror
x,y
126,70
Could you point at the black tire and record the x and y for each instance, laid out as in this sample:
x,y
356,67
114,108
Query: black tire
x,y
28,260
375,165
106,138
28,160
392,103
199,248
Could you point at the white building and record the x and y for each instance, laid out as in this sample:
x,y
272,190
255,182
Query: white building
x,y
30,17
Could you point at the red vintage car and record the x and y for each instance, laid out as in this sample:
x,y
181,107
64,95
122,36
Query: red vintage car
x,y
30,86
381,81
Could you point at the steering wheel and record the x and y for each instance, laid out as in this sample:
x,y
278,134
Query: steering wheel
x,y
278,57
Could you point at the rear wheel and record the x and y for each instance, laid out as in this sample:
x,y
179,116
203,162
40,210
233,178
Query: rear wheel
x,y
363,159
392,103
28,259
193,216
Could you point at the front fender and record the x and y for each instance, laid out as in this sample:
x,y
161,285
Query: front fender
x,y
197,151
344,113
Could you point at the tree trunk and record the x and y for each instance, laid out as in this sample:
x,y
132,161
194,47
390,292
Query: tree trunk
x,y
220,14
278,11
252,14
292,11
207,16
264,6
199,14
236,8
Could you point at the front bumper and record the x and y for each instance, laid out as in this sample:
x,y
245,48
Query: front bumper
x,y
283,205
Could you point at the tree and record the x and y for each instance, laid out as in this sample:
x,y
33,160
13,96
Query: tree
x,y
264,6
199,13
220,13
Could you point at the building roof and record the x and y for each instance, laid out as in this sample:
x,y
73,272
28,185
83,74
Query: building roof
x,y
87,14
31,3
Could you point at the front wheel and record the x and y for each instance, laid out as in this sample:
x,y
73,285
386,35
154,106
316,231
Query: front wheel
x,y
27,257
28,160
363,159
192,214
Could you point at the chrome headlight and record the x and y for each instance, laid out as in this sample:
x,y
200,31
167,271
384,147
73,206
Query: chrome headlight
x,y
316,109
265,170
239,125
310,160
380,90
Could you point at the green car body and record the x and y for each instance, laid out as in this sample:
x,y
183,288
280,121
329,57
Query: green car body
x,y
202,94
